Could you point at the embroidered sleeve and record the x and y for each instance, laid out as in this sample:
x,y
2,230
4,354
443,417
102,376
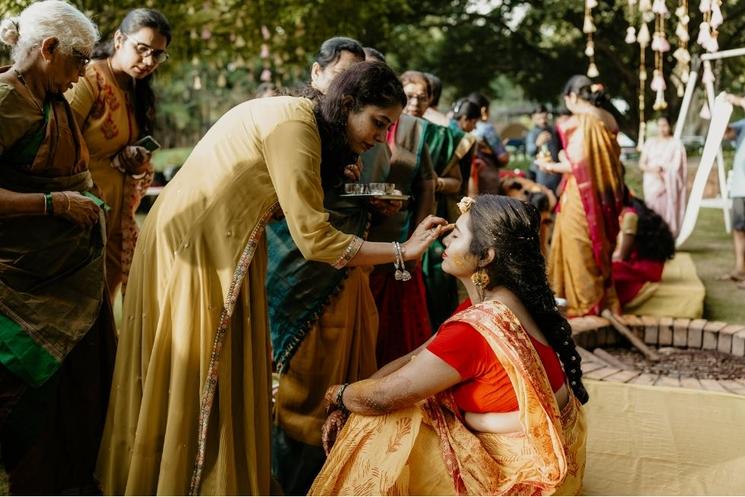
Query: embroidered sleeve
x,y
349,253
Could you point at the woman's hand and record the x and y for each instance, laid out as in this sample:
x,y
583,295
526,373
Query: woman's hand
x,y
330,398
427,232
542,138
133,159
331,429
76,208
387,207
352,172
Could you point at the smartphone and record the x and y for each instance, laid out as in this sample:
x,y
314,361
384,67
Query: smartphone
x,y
149,143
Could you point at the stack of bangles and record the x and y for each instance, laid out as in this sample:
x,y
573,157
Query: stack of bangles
x,y
339,401
401,273
49,205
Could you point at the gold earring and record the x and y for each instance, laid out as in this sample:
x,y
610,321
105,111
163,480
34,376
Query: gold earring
x,y
480,280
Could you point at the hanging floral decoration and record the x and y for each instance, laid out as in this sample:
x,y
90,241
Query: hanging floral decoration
x,y
266,73
682,67
660,46
644,38
588,28
708,29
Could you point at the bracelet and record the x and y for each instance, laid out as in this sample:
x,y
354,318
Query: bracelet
x,y
48,205
398,275
44,203
402,274
67,205
340,398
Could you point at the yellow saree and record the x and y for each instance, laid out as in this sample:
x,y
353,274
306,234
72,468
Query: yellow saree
x,y
579,263
427,450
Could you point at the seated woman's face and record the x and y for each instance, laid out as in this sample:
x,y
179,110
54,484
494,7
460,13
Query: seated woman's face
x,y
369,126
457,260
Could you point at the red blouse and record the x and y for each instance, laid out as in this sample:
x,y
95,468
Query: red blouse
x,y
486,387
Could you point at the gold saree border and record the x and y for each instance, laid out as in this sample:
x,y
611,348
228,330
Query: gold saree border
x,y
208,394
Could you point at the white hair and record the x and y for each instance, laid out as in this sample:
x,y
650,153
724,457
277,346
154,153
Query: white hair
x,y
49,19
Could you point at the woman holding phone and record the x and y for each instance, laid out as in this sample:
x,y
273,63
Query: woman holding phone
x,y
115,107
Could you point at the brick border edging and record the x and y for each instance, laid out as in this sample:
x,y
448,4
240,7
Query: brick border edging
x,y
594,331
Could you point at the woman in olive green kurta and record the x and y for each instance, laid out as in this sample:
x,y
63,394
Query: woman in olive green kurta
x,y
194,345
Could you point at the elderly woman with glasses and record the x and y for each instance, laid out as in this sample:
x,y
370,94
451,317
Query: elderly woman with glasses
x,y
115,105
56,327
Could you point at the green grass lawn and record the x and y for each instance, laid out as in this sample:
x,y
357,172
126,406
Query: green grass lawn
x,y
711,249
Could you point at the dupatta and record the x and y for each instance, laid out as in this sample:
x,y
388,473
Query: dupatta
x,y
594,153
51,270
426,449
298,290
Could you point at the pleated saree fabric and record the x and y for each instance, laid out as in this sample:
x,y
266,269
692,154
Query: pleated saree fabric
x,y
427,450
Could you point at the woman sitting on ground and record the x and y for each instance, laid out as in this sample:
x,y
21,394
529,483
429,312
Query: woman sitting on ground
x,y
644,243
491,404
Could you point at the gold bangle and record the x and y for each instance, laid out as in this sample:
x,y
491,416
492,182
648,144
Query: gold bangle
x,y
67,197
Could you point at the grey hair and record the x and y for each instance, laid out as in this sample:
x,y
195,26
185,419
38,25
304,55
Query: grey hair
x,y
49,19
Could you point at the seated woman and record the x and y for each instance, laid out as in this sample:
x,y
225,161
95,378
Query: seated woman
x,y
645,242
485,407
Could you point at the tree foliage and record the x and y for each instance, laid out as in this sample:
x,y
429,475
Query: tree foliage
x,y
223,48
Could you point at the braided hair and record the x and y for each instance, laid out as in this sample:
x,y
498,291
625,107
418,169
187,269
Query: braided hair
x,y
511,228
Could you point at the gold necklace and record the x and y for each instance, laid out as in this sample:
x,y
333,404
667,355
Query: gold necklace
x,y
20,78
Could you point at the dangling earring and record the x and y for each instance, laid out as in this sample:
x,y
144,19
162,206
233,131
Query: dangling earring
x,y
480,280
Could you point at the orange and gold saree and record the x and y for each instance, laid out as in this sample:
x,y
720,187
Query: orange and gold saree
x,y
427,450
579,263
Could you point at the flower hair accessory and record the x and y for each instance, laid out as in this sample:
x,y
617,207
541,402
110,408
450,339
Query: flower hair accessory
x,y
465,204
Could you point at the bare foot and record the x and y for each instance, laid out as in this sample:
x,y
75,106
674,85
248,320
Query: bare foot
x,y
732,276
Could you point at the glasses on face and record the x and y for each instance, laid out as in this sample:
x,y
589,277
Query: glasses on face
x,y
81,60
417,96
144,50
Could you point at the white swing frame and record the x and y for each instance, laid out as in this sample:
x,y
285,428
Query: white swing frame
x,y
721,111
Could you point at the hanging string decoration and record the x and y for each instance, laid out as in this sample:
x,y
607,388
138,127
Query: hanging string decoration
x,y
660,46
708,29
588,28
643,38
631,30
266,73
681,71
